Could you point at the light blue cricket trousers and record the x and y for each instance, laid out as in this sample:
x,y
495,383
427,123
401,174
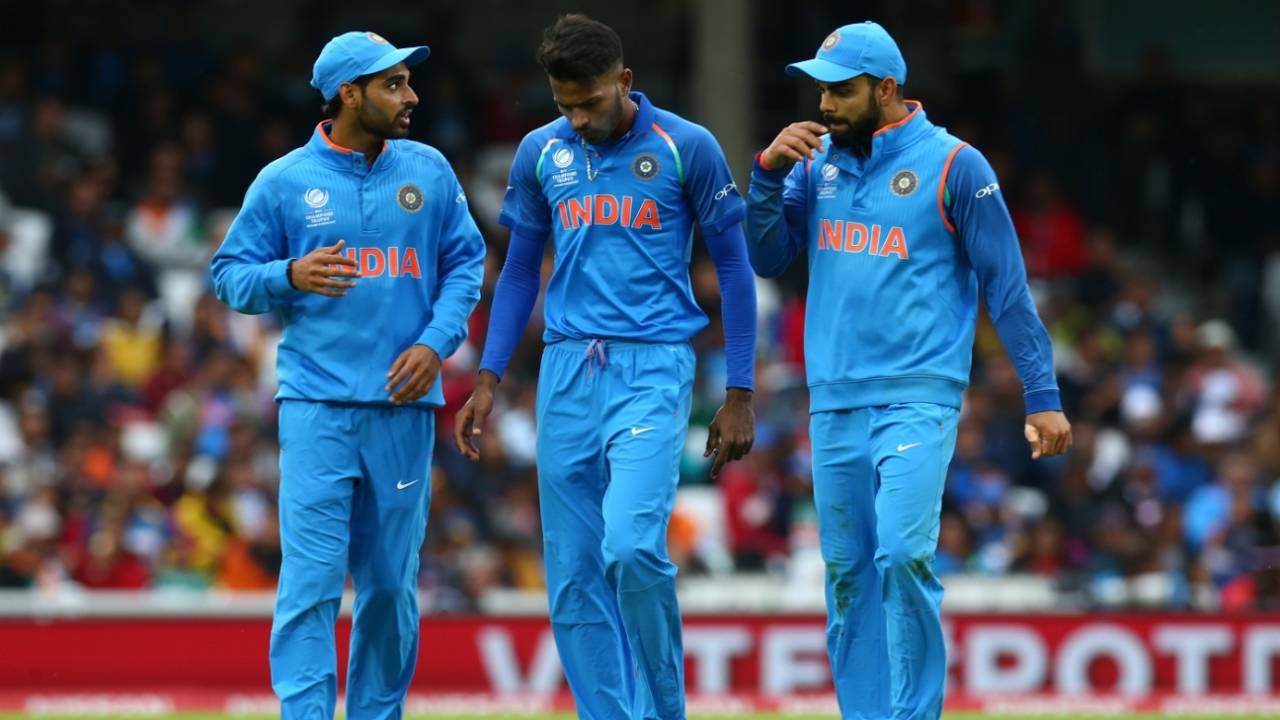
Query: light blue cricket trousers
x,y
612,418
355,485
878,476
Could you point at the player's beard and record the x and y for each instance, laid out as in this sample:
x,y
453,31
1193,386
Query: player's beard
x,y
857,137
376,122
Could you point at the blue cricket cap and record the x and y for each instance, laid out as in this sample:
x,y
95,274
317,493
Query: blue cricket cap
x,y
354,54
854,50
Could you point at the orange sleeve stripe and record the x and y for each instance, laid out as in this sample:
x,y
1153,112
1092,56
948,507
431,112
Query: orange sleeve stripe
x,y
942,186
675,151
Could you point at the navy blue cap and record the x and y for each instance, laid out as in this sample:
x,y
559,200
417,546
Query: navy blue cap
x,y
853,50
355,54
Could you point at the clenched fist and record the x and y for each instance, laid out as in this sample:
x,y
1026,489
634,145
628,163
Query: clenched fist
x,y
1048,433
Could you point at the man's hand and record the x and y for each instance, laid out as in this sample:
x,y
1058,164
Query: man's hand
x,y
412,374
796,142
316,272
1049,433
733,431
469,420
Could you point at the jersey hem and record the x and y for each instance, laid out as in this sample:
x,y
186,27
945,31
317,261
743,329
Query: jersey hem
x,y
873,392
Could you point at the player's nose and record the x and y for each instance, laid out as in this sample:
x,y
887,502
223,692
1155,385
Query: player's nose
x,y
411,97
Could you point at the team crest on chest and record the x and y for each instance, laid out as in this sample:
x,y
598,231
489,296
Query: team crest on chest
x,y
904,183
645,166
319,215
562,158
410,197
316,198
828,185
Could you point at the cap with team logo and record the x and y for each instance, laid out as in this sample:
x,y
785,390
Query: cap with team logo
x,y
853,50
355,54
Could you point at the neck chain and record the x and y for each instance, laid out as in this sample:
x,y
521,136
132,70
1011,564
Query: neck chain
x,y
586,153
593,171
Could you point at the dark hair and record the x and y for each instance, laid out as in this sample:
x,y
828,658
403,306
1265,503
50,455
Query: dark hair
x,y
579,49
333,105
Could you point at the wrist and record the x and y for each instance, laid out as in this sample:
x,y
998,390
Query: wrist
x,y
764,165
488,380
738,396
288,272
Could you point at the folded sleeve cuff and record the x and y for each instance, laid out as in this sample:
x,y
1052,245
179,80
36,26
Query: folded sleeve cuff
x,y
1043,401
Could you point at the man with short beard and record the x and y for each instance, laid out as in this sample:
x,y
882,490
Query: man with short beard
x,y
363,243
619,185
902,223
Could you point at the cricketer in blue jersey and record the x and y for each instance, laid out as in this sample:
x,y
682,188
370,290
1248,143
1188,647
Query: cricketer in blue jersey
x,y
363,243
903,225
620,186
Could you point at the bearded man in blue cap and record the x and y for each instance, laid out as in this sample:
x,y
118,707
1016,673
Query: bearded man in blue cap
x,y
903,224
363,243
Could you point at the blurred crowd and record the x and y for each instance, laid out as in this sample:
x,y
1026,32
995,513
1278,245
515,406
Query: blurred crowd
x,y
137,426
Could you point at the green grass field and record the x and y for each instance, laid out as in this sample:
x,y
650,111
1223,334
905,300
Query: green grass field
x,y
569,716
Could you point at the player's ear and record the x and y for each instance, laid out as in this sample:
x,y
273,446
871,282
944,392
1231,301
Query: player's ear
x,y
350,94
624,80
886,91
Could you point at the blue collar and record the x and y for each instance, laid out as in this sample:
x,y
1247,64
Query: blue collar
x,y
346,159
906,131
645,115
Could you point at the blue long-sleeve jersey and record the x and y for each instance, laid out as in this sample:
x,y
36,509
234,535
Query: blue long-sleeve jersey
x,y
406,224
898,246
621,216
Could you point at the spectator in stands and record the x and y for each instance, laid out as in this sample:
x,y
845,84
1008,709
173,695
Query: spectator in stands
x,y
1225,392
131,340
165,229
